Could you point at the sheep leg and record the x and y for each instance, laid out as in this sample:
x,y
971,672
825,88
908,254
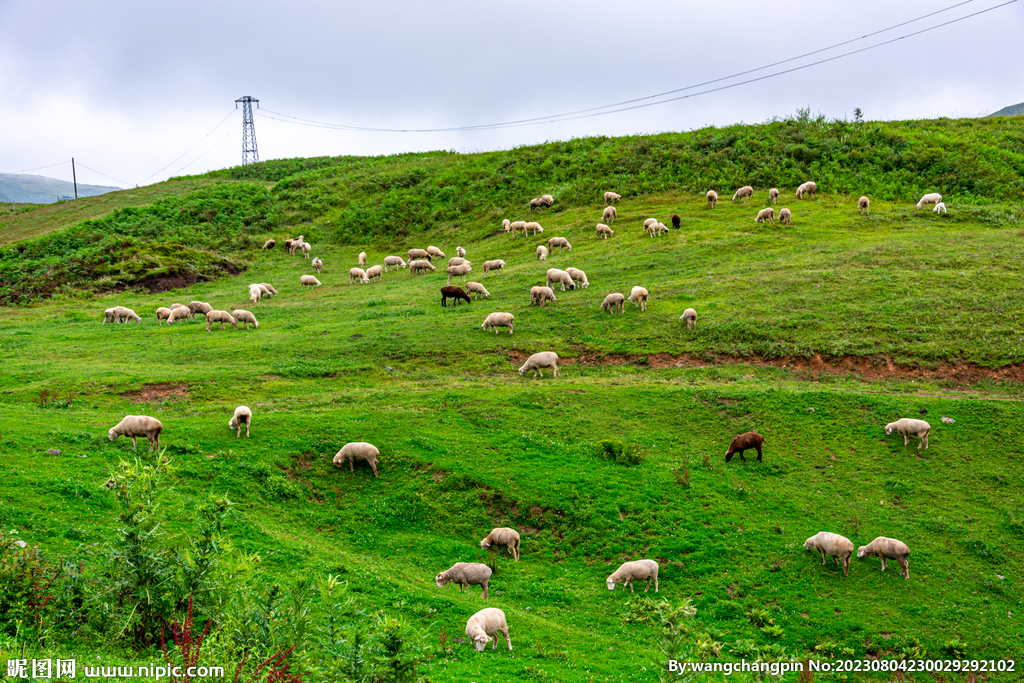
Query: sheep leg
x,y
758,453
883,564
485,590
443,302
247,429
846,566
134,444
373,466
508,641
351,466
906,440
629,582
741,457
822,558
648,586
905,566
655,584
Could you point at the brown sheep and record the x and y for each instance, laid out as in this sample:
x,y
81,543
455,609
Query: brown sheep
x,y
453,292
676,221
742,443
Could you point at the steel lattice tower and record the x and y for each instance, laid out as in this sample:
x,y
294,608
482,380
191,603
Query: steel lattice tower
x,y
249,153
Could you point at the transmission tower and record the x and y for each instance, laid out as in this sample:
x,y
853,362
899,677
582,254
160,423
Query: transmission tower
x,y
249,153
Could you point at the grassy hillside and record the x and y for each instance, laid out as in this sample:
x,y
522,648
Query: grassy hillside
x,y
1012,110
816,335
42,190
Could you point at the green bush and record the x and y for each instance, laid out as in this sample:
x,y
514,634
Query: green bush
x,y
622,453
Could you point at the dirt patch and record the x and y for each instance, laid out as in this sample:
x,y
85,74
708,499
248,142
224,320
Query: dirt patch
x,y
161,391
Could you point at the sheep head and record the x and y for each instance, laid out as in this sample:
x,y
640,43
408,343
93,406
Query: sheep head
x,y
480,641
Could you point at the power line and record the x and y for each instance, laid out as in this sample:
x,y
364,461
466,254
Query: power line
x,y
230,114
215,146
595,111
104,174
39,168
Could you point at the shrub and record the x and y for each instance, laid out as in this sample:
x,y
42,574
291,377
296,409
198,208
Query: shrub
x,y
622,453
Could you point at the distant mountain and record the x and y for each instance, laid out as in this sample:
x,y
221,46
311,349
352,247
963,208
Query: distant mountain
x,y
1012,110
37,189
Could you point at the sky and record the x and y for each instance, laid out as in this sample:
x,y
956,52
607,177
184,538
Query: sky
x,y
138,92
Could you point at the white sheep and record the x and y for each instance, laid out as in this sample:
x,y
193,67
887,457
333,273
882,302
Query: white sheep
x,y
503,537
269,288
539,361
743,193
306,246
785,216
374,272
542,202
638,295
269,244
162,314
834,545
609,214
712,198
689,316
910,427
559,242
533,225
187,313
110,316
888,549
542,253
357,450
496,320
932,198
506,225
561,277
393,263
459,251
765,215
245,318
773,195
603,231
611,197
138,425
420,266
417,254
255,293
541,295
308,281
864,205
221,317
126,314
242,416
579,276
477,288
465,574
613,301
457,261
637,570
362,259
484,624
357,275
203,307
659,228
940,208
496,264
459,271
435,252
810,187
179,313
517,225
317,264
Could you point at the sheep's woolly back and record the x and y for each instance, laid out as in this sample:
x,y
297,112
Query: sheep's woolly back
x,y
831,544
882,546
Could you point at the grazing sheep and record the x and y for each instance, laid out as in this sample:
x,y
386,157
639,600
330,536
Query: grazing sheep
x,y
269,244
255,293
676,221
294,244
127,314
533,225
459,271
393,262
910,427
517,225
453,292
713,198
542,253
659,229
138,425
109,316
773,195
810,187
306,247
221,317
357,450
603,231
162,314
435,252
611,197
200,307
477,288
506,225
308,281
288,245
612,301
743,192
579,276
542,202
244,317
541,295
833,545
242,416
417,254
457,261
561,277
465,574
420,266
743,442
765,215
536,362
637,570
270,288
933,198
888,549
483,625
638,295
785,216
496,320
317,264
374,272
649,226
179,313
459,251
864,205
940,208
609,214
503,537
497,265
357,275
362,259
559,242
690,317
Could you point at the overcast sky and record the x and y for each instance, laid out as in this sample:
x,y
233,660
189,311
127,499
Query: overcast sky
x,y
126,86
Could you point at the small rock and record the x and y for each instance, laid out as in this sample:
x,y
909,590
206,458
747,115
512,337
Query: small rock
x,y
356,336
923,411
52,451
1001,577
20,543
948,420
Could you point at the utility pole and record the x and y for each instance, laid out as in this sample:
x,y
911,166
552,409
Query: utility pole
x,y
74,177
249,153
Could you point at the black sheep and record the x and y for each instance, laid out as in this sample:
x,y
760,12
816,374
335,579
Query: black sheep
x,y
453,292
742,443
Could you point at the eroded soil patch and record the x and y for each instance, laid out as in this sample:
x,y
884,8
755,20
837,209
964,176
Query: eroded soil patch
x,y
159,391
